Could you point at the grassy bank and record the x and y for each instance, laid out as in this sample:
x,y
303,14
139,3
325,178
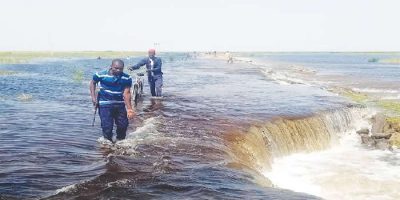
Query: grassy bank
x,y
390,108
390,61
355,96
14,57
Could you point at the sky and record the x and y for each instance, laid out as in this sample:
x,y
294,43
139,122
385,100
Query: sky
x,y
200,25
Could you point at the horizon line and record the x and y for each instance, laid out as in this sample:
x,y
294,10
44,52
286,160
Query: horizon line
x,y
185,51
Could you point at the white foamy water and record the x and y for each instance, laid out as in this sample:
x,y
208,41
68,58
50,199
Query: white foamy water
x,y
69,188
142,135
384,94
282,78
347,171
66,188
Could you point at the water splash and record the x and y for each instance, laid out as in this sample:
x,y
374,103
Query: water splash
x,y
261,143
346,171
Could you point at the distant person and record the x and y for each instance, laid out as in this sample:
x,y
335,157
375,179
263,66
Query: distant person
x,y
113,99
154,73
229,58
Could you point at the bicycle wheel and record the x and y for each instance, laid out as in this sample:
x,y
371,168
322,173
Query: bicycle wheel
x,y
135,94
141,88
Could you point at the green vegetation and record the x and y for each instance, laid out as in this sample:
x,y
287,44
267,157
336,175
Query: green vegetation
x,y
14,57
390,60
355,96
77,75
391,110
390,106
373,60
393,120
7,72
395,140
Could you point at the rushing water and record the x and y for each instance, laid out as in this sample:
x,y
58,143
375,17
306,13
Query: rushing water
x,y
347,170
351,70
222,130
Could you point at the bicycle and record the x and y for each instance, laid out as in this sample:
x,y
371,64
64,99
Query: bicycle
x,y
137,89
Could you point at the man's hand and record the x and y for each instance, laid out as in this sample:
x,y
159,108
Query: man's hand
x,y
130,114
93,94
94,101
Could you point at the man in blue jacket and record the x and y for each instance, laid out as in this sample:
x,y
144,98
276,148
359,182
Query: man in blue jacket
x,y
154,73
113,99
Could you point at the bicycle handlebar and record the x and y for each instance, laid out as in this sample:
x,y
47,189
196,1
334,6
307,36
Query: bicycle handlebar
x,y
139,72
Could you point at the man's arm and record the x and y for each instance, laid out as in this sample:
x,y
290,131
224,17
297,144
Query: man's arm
x,y
139,64
128,104
92,88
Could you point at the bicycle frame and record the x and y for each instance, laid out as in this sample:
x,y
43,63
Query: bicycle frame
x,y
137,89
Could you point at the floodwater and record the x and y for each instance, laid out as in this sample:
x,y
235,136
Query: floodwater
x,y
222,131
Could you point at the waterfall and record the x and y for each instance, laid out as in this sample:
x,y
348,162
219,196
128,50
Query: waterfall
x,y
256,147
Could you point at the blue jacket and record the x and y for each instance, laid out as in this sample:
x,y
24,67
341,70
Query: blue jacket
x,y
156,69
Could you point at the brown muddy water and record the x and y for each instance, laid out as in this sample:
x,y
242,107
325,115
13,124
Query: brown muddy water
x,y
220,132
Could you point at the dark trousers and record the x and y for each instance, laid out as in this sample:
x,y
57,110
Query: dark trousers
x,y
155,83
152,85
110,114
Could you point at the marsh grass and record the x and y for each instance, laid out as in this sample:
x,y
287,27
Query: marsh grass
x,y
390,61
393,120
390,106
77,75
7,72
355,96
15,57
